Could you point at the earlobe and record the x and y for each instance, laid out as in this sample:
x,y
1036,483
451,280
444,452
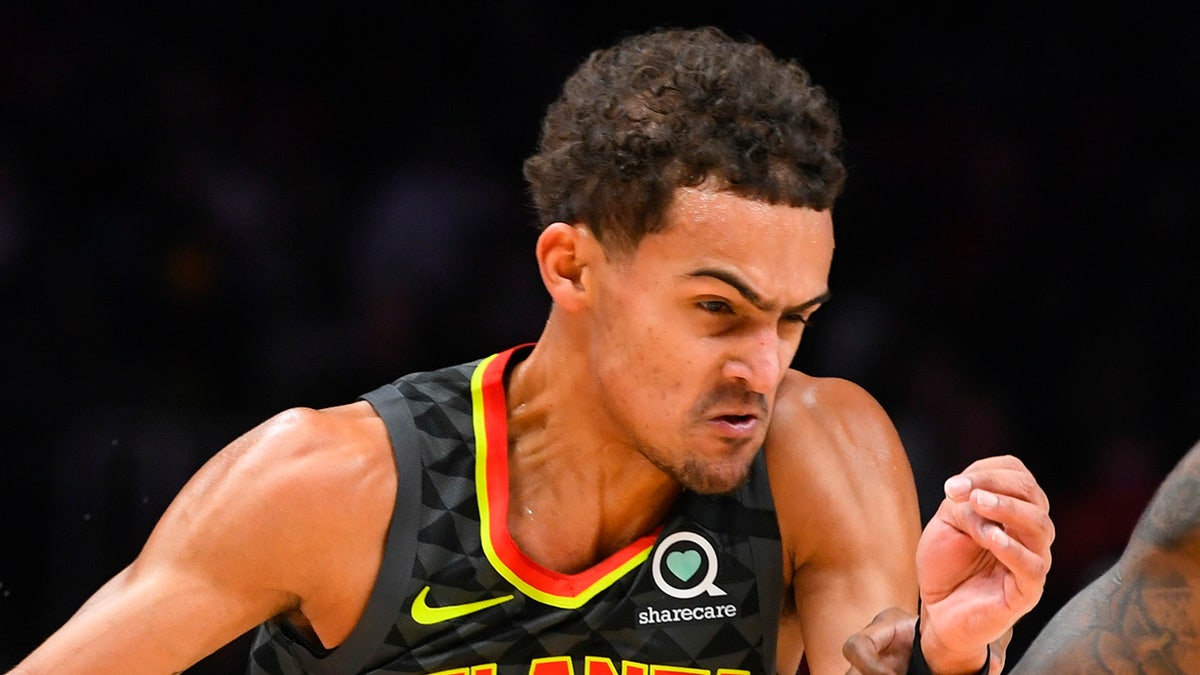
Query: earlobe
x,y
564,252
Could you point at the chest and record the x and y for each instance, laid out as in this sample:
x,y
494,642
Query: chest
x,y
695,595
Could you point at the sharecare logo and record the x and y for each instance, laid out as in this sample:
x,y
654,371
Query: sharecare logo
x,y
685,565
676,614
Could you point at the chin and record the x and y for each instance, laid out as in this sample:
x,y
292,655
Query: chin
x,y
711,480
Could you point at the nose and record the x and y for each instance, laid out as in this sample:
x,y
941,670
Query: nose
x,y
758,362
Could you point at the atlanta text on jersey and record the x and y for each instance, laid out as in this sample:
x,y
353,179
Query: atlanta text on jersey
x,y
593,665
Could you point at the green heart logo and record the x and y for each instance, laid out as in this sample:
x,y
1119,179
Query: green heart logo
x,y
683,564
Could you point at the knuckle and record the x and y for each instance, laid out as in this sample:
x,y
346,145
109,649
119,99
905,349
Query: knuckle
x,y
1014,461
1041,566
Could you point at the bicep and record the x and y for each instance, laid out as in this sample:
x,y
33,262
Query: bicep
x,y
863,562
853,523
789,645
837,602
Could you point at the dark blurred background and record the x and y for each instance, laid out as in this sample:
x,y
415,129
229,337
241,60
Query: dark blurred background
x,y
209,213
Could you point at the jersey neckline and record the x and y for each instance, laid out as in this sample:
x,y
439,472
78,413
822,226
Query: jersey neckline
x,y
490,420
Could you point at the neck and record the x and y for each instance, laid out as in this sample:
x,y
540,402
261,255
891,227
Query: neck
x,y
578,489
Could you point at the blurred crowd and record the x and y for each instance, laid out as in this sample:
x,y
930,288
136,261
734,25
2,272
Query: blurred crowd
x,y
210,213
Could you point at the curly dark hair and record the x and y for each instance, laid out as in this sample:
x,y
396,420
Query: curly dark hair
x,y
674,108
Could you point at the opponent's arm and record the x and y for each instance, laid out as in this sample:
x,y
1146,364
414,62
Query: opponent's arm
x,y
848,509
238,545
1142,614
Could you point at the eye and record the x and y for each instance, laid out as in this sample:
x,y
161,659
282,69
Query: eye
x,y
715,306
797,319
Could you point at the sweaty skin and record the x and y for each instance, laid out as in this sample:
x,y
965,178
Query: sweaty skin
x,y
849,516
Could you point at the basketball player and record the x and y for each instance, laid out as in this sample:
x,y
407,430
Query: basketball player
x,y
646,489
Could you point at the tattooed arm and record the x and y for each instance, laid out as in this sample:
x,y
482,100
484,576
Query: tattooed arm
x,y
1143,614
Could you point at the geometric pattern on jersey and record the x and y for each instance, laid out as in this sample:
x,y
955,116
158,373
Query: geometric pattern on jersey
x,y
701,594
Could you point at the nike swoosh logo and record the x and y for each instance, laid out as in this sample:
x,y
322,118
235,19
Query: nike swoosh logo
x,y
423,614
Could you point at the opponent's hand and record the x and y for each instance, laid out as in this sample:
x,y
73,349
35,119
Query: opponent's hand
x,y
885,646
982,561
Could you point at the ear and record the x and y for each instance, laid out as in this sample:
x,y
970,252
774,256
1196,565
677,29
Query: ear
x,y
565,253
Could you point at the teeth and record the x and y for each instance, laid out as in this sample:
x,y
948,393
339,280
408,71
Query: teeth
x,y
740,422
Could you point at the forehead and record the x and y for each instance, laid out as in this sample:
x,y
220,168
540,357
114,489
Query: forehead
x,y
698,208
783,250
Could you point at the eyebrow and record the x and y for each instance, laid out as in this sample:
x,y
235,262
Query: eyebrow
x,y
750,294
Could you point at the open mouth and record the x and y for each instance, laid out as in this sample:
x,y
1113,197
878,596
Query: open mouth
x,y
738,422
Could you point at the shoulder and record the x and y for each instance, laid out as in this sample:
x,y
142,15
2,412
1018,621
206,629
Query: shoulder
x,y
833,449
302,456
830,422
291,517
282,504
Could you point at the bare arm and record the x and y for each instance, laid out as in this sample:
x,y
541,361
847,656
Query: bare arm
x,y
1143,614
241,543
982,563
848,508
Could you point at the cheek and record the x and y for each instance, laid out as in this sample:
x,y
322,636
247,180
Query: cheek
x,y
646,350
645,368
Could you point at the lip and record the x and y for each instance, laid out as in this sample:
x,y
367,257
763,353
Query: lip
x,y
737,424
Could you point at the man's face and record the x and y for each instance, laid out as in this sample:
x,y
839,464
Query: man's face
x,y
695,328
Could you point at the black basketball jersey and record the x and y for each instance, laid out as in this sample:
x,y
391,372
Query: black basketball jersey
x,y
455,596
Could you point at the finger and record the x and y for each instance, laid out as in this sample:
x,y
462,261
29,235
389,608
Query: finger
x,y
1026,569
1017,483
1002,642
1024,549
884,646
994,535
869,656
862,660
995,665
997,462
998,653
967,517
1024,521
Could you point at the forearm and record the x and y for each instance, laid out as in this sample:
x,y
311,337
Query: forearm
x,y
1071,639
153,623
1143,613
98,640
1122,625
